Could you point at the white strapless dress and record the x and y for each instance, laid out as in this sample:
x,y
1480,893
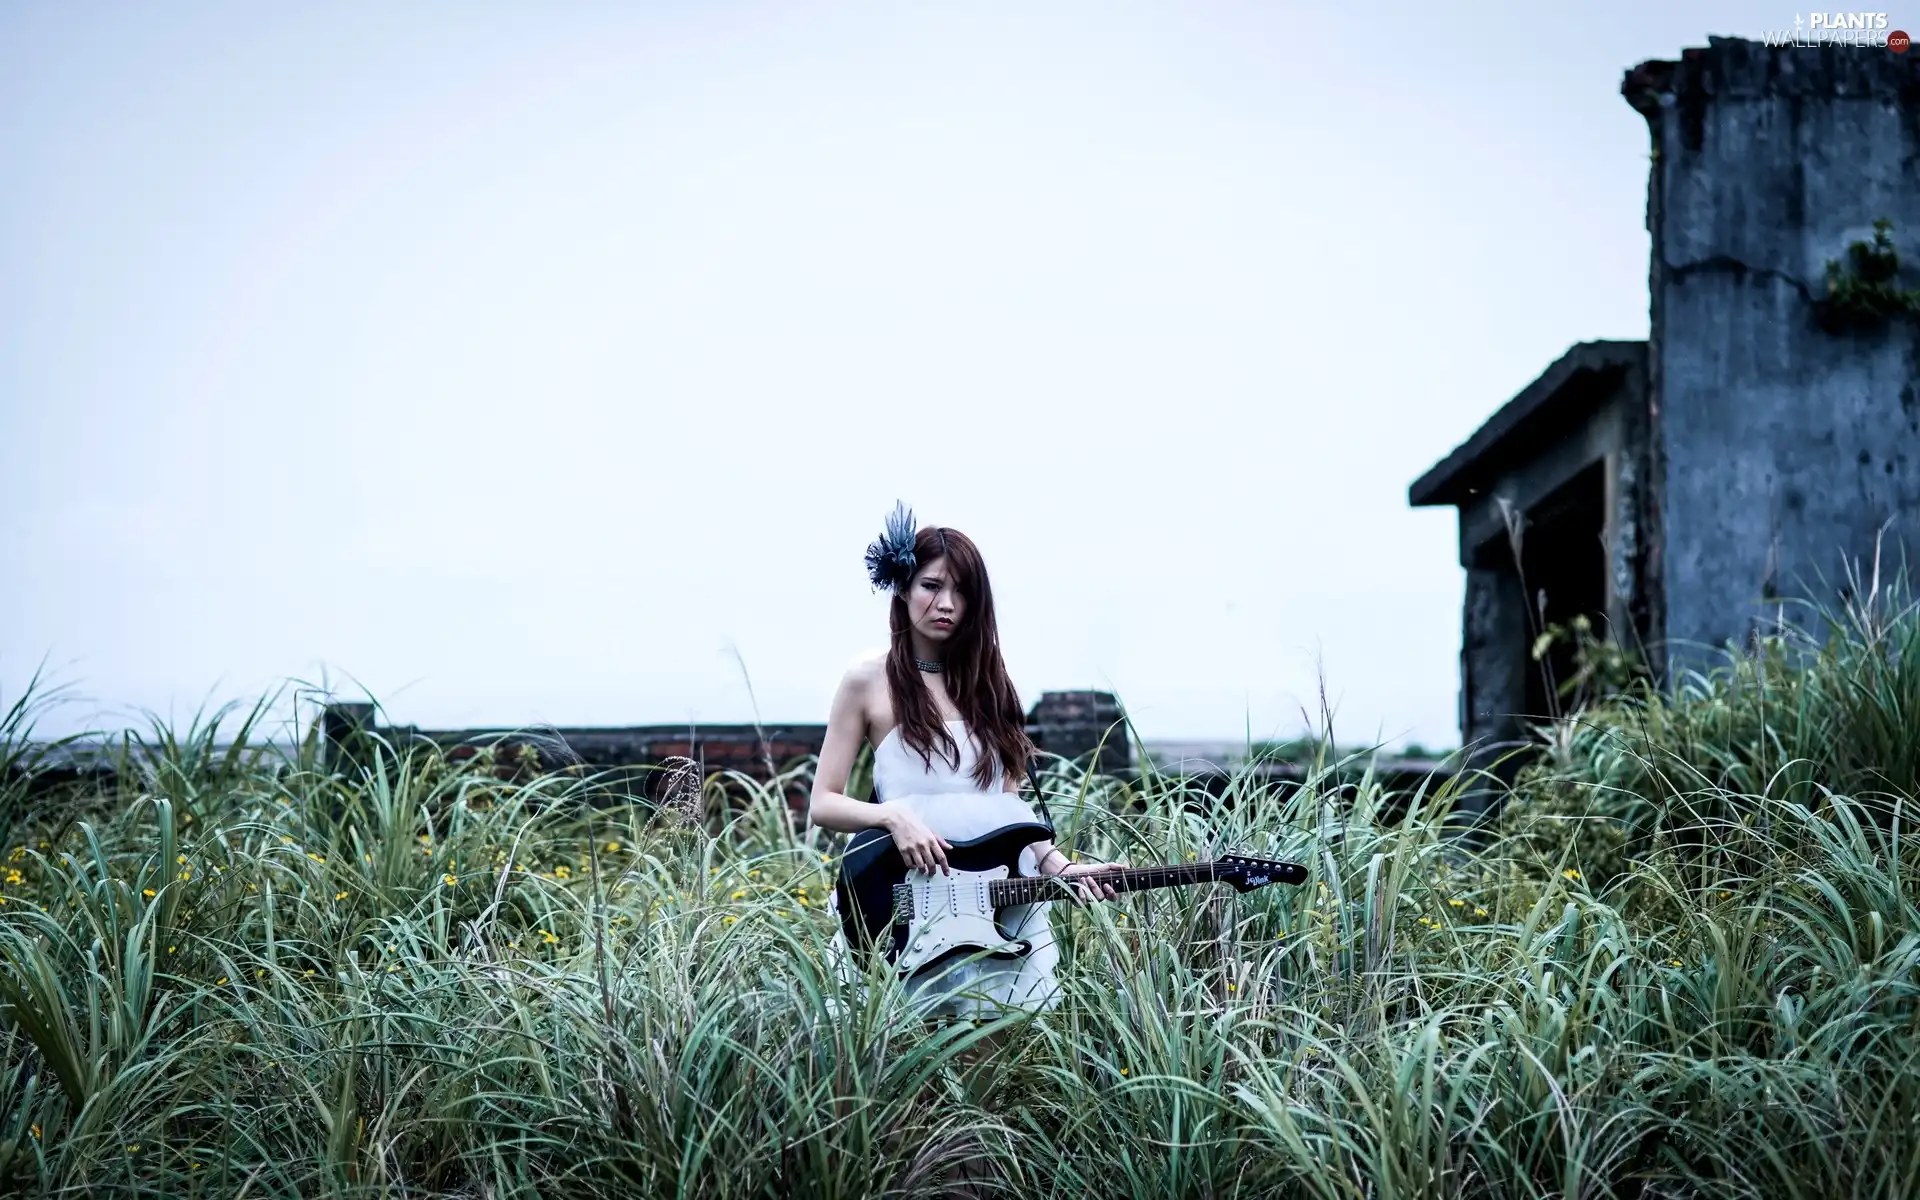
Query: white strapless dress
x,y
951,804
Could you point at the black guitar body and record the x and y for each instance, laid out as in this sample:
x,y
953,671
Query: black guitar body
x,y
871,867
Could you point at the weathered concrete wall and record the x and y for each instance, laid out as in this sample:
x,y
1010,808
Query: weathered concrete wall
x,y
1781,449
1493,659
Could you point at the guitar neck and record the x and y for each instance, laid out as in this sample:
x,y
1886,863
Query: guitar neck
x,y
1121,879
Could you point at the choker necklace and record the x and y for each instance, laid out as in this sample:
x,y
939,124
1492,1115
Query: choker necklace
x,y
931,668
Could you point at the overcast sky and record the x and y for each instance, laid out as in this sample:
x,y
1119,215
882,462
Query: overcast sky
x,y
548,362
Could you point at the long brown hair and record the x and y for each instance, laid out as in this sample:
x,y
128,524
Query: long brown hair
x,y
976,675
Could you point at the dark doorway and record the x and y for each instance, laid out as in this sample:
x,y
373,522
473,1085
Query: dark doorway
x,y
1563,563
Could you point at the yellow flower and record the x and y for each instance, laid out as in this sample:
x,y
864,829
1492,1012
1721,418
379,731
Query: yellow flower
x,y
285,839
1458,903
549,938
613,847
35,1131
1674,962
169,949
1570,873
448,880
1231,988
1123,1070
179,860
753,874
738,896
134,1149
826,858
563,872
185,875
728,920
1479,912
220,982
307,974
148,893
339,895
393,970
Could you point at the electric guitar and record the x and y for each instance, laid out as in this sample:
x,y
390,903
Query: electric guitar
x,y
914,918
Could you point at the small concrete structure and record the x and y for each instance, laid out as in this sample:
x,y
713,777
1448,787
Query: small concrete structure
x,y
1755,447
1086,728
1553,501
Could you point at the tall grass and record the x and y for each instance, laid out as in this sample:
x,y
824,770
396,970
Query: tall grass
x,y
1816,712
412,978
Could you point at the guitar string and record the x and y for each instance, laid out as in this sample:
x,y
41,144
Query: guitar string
x,y
1024,891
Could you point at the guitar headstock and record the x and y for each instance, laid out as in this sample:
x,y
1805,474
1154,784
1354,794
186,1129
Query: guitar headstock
x,y
1246,873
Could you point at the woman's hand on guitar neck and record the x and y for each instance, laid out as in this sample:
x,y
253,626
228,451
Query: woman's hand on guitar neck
x,y
1089,889
921,847
1093,889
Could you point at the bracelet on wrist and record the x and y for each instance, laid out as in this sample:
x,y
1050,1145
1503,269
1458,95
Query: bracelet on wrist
x,y
1042,864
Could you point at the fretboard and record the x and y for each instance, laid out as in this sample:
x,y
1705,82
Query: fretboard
x,y
1122,879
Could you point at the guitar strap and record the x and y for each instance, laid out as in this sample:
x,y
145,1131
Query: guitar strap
x,y
1039,797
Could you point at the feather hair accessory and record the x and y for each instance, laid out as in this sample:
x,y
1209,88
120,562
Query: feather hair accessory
x,y
890,560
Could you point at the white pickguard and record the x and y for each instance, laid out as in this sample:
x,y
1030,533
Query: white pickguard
x,y
951,912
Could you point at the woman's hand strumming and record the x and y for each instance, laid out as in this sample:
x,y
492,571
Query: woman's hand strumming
x,y
923,849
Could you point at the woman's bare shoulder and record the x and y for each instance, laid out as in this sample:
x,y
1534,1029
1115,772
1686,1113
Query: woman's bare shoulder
x,y
867,681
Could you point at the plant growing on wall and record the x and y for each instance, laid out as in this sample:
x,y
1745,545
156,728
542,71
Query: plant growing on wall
x,y
1865,293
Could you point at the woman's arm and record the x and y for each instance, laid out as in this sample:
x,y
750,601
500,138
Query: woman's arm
x,y
1051,860
828,805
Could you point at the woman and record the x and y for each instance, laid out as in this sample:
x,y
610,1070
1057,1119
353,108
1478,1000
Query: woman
x,y
942,676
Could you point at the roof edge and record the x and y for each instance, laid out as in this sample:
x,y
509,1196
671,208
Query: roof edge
x,y
1444,482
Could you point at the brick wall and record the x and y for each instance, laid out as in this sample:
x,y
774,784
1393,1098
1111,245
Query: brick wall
x,y
1069,724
